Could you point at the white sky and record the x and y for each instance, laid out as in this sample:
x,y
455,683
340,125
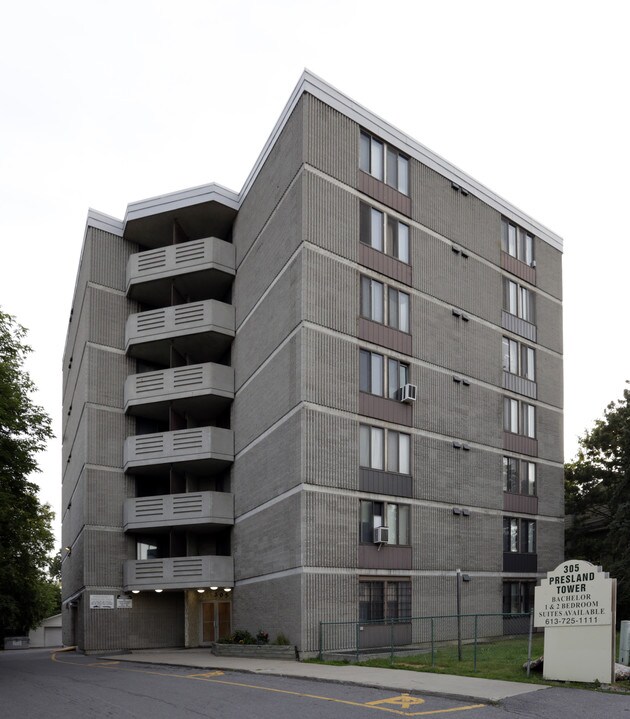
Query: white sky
x,y
105,103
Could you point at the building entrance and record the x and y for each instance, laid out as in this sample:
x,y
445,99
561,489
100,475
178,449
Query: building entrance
x,y
216,621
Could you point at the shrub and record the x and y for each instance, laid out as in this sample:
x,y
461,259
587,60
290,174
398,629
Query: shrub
x,y
282,640
262,637
239,636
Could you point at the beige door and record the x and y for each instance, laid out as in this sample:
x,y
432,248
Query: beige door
x,y
216,621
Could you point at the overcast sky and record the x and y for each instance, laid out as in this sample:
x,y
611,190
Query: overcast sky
x,y
105,103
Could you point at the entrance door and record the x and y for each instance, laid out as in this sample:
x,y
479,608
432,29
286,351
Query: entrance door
x,y
216,621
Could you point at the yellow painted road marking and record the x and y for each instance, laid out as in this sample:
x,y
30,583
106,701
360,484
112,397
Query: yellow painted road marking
x,y
206,677
206,674
404,701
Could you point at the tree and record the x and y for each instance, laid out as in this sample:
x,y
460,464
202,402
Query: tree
x,y
26,538
597,498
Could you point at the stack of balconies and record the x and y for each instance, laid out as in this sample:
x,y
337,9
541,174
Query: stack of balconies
x,y
181,397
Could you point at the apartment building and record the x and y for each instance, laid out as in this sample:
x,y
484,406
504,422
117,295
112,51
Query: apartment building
x,y
313,400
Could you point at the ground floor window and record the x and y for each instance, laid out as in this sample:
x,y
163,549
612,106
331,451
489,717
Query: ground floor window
x,y
518,597
384,600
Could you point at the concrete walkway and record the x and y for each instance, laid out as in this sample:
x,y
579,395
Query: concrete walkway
x,y
467,688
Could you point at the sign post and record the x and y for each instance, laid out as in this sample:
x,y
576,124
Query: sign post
x,y
575,604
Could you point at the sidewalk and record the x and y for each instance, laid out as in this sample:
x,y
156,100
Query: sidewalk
x,y
455,687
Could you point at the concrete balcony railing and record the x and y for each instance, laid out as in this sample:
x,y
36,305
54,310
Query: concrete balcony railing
x,y
186,389
178,573
192,509
198,449
197,268
202,330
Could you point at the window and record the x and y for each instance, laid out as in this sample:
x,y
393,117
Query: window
x,y
384,600
384,514
398,316
398,452
518,300
397,377
375,453
384,233
518,597
149,548
372,447
519,535
384,163
517,242
373,298
372,377
519,359
519,417
519,476
371,371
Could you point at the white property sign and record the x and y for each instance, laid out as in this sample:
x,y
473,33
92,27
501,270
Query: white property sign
x,y
101,601
575,604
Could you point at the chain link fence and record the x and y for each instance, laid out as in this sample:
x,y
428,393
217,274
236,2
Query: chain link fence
x,y
432,640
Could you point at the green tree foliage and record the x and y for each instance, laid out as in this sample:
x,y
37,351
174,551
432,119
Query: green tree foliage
x,y
27,593
597,498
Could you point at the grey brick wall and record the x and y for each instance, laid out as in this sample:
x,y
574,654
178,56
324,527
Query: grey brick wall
x,y
465,220
269,467
266,542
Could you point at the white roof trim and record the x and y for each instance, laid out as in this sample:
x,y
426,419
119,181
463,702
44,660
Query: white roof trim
x,y
320,89
317,87
182,198
101,221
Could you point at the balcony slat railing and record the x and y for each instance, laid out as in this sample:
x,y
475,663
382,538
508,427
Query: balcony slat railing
x,y
178,573
197,255
184,445
179,510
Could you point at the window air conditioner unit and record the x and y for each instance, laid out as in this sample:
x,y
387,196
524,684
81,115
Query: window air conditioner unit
x,y
408,393
381,535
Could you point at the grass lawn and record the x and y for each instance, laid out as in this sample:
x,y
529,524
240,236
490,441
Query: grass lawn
x,y
497,660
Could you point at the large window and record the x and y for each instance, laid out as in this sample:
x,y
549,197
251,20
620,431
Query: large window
x,y
381,376
519,535
519,476
519,417
519,359
384,514
384,163
384,600
518,300
389,450
398,315
384,233
376,304
517,242
518,597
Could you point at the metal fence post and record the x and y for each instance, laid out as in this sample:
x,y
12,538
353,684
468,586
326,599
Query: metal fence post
x,y
321,635
529,641
432,644
357,639
475,644
391,642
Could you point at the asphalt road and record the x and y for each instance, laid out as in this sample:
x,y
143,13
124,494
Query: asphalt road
x,y
42,684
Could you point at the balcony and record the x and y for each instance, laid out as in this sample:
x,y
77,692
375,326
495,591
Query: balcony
x,y
202,449
196,390
198,269
182,511
178,573
201,330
